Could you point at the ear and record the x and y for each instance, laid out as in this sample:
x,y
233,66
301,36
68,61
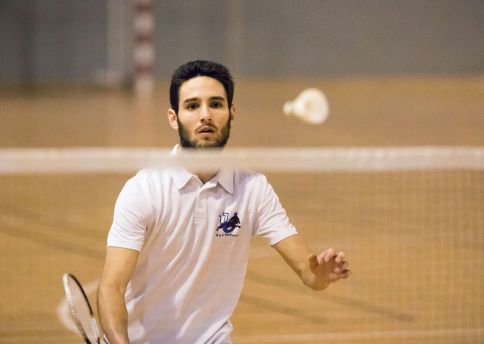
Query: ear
x,y
232,112
172,119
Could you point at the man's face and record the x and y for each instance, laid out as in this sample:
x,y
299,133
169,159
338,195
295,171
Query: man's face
x,y
204,117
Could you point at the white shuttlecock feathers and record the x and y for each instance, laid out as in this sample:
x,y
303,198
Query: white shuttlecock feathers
x,y
310,106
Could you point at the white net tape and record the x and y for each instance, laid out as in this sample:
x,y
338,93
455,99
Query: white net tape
x,y
273,159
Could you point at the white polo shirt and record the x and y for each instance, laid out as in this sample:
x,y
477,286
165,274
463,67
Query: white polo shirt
x,y
193,240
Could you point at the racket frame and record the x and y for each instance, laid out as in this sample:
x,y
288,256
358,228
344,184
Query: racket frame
x,y
74,313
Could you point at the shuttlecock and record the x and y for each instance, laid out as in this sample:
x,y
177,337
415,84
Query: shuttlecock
x,y
310,106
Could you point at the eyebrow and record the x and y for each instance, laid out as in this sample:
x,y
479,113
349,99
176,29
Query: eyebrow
x,y
189,100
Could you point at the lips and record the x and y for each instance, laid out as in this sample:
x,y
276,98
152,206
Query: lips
x,y
206,129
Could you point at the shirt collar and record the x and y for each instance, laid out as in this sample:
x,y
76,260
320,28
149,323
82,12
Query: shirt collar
x,y
181,176
225,177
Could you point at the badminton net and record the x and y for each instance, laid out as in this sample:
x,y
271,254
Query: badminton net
x,y
411,221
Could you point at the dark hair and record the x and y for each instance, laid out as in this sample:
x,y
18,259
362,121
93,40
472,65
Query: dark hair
x,y
196,68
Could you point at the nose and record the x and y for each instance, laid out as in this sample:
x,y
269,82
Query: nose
x,y
205,114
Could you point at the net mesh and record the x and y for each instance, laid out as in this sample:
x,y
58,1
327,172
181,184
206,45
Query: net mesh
x,y
414,236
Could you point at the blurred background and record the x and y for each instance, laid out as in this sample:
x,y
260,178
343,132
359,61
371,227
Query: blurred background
x,y
95,73
91,41
395,72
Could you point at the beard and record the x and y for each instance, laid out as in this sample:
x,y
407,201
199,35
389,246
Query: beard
x,y
219,142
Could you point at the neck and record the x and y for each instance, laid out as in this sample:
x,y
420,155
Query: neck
x,y
205,176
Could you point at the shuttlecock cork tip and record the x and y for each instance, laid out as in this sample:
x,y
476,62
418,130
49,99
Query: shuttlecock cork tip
x,y
287,108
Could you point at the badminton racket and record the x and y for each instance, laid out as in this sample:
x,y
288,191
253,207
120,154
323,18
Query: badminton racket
x,y
81,310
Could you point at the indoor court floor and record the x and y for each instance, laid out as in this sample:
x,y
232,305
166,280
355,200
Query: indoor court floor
x,y
415,240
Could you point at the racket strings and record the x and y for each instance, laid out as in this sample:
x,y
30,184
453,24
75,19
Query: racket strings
x,y
81,311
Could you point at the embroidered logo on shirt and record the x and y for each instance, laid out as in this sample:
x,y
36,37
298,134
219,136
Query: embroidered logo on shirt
x,y
228,225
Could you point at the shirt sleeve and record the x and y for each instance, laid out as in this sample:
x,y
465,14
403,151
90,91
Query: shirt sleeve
x,y
272,222
131,216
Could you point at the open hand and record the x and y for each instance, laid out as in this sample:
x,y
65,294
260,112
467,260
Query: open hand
x,y
329,266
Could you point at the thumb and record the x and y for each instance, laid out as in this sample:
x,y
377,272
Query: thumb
x,y
313,261
326,256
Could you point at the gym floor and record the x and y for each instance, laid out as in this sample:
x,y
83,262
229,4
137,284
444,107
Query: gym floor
x,y
414,239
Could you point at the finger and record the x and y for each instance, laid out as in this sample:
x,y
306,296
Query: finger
x,y
345,274
340,257
328,254
342,273
322,257
343,266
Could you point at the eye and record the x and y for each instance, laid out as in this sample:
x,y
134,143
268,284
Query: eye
x,y
216,104
191,106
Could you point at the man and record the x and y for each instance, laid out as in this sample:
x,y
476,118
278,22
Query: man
x,y
178,246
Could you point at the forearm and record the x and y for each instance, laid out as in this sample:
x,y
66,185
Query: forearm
x,y
113,315
118,269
